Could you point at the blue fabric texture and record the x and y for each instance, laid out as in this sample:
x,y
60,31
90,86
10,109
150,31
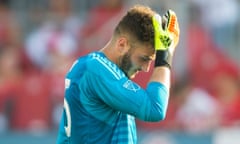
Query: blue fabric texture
x,y
101,103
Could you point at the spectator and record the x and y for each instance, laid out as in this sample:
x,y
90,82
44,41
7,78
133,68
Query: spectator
x,y
10,75
12,65
32,105
61,26
225,86
195,109
51,48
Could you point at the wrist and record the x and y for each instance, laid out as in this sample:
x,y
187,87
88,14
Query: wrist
x,y
163,58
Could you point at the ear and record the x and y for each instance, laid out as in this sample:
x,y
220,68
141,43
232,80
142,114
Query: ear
x,y
123,45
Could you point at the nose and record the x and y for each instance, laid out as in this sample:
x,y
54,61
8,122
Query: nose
x,y
146,66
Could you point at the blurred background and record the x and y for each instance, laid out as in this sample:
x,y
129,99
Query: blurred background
x,y
40,39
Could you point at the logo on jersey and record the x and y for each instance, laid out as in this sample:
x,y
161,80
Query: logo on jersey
x,y
131,86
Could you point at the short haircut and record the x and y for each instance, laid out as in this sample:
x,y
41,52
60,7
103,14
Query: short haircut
x,y
137,23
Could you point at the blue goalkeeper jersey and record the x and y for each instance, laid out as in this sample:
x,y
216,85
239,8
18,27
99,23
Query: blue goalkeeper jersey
x,y
101,103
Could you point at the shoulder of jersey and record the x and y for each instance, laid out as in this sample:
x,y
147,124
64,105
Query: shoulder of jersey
x,y
100,65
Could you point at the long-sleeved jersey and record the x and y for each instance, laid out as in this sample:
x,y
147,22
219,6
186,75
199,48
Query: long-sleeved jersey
x,y
101,103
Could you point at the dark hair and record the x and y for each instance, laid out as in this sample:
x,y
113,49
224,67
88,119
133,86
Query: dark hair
x,y
137,23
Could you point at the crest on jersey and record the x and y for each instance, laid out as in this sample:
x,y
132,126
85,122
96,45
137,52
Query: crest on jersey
x,y
131,86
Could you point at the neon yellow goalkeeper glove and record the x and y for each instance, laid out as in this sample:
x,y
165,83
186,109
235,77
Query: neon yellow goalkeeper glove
x,y
166,37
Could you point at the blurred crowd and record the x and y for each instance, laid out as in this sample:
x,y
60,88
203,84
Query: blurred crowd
x,y
37,49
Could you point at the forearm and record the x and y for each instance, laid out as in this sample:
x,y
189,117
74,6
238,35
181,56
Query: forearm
x,y
155,106
161,75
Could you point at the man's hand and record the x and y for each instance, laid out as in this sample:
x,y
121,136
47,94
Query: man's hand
x,y
166,37
170,24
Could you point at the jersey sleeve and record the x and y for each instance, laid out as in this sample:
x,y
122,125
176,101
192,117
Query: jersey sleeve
x,y
122,94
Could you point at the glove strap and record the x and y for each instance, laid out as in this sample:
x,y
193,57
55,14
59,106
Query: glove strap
x,y
163,58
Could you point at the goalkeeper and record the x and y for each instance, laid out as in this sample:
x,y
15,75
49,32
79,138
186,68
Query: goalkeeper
x,y
101,102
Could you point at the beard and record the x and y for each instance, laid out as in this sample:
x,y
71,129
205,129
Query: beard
x,y
127,66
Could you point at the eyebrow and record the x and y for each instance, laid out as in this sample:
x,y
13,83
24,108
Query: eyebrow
x,y
146,58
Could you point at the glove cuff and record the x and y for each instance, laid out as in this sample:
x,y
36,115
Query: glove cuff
x,y
163,58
